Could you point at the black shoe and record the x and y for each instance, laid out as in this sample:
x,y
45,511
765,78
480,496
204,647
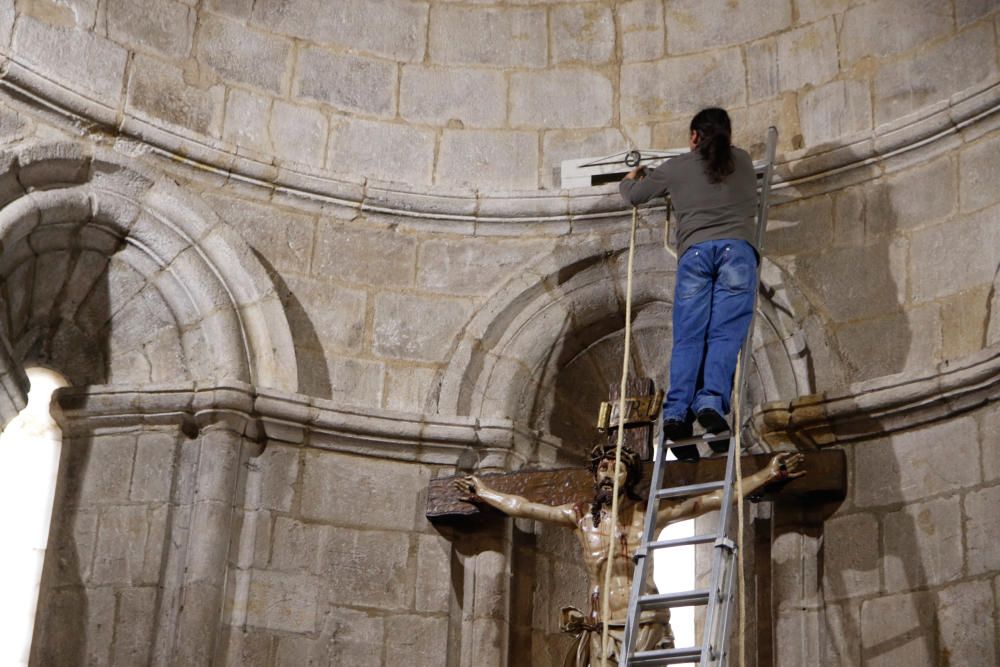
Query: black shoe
x,y
714,423
679,429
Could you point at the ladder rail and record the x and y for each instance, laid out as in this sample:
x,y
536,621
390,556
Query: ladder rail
x,y
642,556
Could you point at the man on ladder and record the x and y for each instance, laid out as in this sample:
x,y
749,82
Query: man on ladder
x,y
714,193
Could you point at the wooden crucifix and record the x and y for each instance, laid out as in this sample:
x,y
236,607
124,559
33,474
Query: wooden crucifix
x,y
578,498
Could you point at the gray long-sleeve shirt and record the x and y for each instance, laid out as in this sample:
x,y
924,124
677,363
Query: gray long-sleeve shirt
x,y
705,211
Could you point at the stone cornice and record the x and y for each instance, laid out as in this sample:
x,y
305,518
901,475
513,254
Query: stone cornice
x,y
265,415
810,168
883,406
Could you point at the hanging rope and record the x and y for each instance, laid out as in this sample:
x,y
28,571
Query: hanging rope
x,y
605,596
737,429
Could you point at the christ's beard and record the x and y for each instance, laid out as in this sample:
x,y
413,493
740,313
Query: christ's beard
x,y
604,492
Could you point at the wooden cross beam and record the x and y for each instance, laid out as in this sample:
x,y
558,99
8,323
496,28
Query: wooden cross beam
x,y
825,484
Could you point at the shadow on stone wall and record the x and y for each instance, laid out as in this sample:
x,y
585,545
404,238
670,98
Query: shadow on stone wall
x,y
314,378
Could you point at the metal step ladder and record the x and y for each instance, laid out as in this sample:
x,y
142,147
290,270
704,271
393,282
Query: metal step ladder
x,y
718,597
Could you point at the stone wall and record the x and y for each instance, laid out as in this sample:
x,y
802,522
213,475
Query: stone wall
x,y
323,88
300,259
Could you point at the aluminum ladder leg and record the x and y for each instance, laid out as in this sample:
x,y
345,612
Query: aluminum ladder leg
x,y
713,650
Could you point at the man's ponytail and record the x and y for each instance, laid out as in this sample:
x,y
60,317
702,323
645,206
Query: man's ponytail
x,y
714,142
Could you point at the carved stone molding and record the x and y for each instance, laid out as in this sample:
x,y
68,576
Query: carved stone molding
x,y
857,158
266,415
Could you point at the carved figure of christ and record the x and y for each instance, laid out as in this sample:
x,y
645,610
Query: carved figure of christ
x,y
594,528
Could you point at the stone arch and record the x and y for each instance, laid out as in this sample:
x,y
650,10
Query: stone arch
x,y
546,349
87,242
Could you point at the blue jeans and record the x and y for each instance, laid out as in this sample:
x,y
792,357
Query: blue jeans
x,y
713,306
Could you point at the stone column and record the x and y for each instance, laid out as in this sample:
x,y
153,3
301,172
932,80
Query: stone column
x,y
195,570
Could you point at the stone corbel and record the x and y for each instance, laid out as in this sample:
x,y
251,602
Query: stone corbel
x,y
882,406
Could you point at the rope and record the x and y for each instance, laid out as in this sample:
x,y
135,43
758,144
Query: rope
x,y
737,429
606,595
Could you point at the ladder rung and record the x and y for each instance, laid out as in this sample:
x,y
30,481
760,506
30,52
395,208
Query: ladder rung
x,y
681,599
705,437
690,489
682,541
667,656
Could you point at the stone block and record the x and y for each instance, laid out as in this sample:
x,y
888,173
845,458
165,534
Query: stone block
x,y
839,645
807,55
922,463
77,628
395,30
280,601
243,55
239,9
472,266
560,145
873,29
282,237
295,546
833,111
160,91
106,469
326,315
355,382
358,491
298,133
641,30
121,545
417,640
75,536
152,478
367,568
857,282
811,10
851,556
433,592
682,85
951,258
967,59
88,63
923,545
348,82
923,195
246,120
134,627
7,18
967,11
916,337
964,322
700,25
417,328
279,469
762,69
492,159
899,630
166,27
982,526
408,387
979,172
351,637
560,98
443,96
989,436
365,255
964,614
382,151
249,647
218,466
582,33
517,37
800,226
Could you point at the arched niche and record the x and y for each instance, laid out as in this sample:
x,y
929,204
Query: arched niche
x,y
115,278
549,345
